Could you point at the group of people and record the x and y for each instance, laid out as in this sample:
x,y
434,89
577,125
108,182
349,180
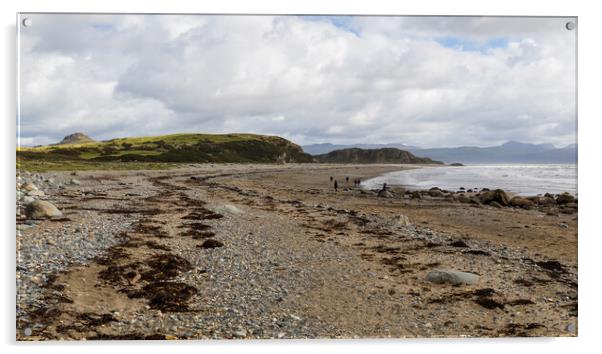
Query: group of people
x,y
356,182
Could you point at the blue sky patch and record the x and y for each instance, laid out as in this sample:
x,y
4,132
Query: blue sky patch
x,y
468,45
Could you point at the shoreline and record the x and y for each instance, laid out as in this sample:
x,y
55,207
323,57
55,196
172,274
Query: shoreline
x,y
372,184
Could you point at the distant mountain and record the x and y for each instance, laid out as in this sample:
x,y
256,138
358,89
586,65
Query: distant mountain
x,y
76,138
367,156
510,152
318,149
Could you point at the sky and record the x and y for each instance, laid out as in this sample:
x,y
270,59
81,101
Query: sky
x,y
421,81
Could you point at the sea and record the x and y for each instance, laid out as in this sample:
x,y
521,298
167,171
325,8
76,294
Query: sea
x,y
521,179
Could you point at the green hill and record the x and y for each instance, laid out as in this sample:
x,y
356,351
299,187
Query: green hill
x,y
175,148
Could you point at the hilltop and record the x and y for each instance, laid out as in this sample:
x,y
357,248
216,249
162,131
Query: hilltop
x,y
76,138
367,156
175,148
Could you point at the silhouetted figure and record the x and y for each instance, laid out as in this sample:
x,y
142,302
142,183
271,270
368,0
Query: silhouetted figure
x,y
359,182
330,178
347,180
384,186
336,186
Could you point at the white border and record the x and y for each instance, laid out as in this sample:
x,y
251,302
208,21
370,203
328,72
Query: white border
x,y
589,143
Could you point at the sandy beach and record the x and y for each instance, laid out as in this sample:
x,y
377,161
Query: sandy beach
x,y
273,251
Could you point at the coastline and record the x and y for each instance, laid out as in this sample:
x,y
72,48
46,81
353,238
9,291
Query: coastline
x,y
525,180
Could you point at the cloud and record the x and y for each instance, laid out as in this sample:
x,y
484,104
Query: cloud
x,y
417,80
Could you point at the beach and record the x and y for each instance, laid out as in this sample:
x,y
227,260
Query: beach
x,y
273,251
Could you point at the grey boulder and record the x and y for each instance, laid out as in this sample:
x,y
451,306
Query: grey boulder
x,y
450,276
41,209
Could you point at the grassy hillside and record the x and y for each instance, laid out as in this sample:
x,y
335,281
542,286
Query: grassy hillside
x,y
166,149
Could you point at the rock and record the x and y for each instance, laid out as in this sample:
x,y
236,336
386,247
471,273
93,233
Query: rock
x,y
27,332
36,193
401,220
450,276
565,198
398,190
495,204
240,333
456,164
228,208
435,193
463,198
29,187
521,202
75,182
571,328
40,209
27,199
383,193
544,201
416,195
564,226
497,195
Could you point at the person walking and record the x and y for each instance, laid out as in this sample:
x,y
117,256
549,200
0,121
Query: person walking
x,y
336,186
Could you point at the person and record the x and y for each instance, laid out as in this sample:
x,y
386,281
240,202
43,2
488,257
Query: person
x,y
330,178
336,186
384,186
347,180
359,182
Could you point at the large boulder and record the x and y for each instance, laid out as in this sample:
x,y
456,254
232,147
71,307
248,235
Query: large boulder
x,y
450,276
41,209
521,202
497,195
565,198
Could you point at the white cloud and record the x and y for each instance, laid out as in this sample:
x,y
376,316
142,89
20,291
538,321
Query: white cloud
x,y
420,81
